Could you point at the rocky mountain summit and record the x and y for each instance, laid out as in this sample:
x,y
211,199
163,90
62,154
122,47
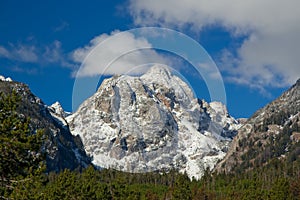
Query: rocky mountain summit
x,y
152,123
63,150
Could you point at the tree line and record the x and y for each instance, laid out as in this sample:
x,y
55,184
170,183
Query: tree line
x,y
23,175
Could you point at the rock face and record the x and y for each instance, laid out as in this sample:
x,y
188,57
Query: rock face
x,y
271,133
152,123
63,150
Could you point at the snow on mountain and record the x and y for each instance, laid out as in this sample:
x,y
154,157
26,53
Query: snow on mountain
x,y
225,124
152,123
58,110
8,79
58,114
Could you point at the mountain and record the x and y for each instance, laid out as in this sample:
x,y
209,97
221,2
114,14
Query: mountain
x,y
273,132
152,123
63,150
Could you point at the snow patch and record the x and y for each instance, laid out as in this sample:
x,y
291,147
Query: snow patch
x,y
8,79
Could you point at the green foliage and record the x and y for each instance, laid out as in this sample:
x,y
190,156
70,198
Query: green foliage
x,y
22,178
182,189
20,149
269,182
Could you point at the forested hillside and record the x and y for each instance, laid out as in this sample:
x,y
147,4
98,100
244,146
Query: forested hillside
x,y
276,181
23,174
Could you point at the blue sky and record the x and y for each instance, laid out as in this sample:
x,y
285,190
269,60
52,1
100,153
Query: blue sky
x,y
42,43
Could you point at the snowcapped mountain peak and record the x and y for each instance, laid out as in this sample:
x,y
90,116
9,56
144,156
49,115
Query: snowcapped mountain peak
x,y
58,114
8,79
159,71
151,123
158,74
58,109
159,77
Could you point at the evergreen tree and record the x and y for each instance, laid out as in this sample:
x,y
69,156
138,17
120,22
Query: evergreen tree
x,y
182,187
20,149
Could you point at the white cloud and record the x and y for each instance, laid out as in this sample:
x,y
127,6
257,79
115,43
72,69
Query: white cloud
x,y
270,54
4,53
54,53
268,59
24,53
117,53
37,54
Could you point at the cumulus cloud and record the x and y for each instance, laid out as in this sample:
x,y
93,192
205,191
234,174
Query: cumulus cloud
x,y
269,55
116,53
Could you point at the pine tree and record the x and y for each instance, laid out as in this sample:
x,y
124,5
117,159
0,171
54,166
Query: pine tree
x,y
20,149
182,187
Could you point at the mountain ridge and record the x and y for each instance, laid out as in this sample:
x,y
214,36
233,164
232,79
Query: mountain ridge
x,y
152,122
186,134
62,149
267,135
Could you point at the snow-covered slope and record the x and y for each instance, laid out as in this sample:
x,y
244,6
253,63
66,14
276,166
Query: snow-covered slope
x,y
8,79
152,123
58,114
